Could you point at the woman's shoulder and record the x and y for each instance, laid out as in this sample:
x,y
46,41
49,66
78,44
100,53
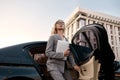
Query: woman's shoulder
x,y
53,36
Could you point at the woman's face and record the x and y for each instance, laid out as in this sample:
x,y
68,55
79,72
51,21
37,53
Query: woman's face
x,y
60,26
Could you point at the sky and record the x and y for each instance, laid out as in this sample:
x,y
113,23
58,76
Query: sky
x,y
32,20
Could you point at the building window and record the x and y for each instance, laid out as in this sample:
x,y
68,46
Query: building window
x,y
77,23
115,40
119,39
111,32
82,40
111,29
111,37
119,31
112,42
115,29
94,39
118,28
82,22
113,48
95,46
116,52
72,31
68,33
88,34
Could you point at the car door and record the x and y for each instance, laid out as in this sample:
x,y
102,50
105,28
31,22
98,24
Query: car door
x,y
87,37
94,36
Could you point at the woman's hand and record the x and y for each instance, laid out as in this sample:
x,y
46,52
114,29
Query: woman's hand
x,y
66,52
77,68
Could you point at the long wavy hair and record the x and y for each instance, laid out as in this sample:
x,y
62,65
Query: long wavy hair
x,y
54,29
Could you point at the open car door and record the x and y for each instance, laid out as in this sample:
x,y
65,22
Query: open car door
x,y
92,52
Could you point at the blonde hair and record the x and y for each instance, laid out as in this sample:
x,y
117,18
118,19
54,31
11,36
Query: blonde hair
x,y
54,29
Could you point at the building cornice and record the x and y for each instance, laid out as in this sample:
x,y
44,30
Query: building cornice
x,y
92,14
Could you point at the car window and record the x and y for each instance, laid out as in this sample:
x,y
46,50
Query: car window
x,y
38,54
80,39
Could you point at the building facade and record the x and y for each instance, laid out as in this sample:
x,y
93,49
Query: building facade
x,y
81,17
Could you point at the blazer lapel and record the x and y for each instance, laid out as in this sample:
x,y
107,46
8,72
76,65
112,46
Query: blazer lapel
x,y
58,37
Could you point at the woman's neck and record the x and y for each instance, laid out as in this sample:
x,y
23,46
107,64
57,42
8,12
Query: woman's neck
x,y
61,34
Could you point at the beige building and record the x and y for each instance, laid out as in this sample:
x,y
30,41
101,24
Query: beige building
x,y
81,17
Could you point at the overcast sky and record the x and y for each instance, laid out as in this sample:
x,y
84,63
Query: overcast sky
x,y
31,20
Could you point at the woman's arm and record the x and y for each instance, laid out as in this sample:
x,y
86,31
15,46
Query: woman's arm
x,y
71,59
50,53
72,62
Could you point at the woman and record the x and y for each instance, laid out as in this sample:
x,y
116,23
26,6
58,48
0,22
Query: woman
x,y
56,63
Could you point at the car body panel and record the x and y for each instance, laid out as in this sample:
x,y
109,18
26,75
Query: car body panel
x,y
14,71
